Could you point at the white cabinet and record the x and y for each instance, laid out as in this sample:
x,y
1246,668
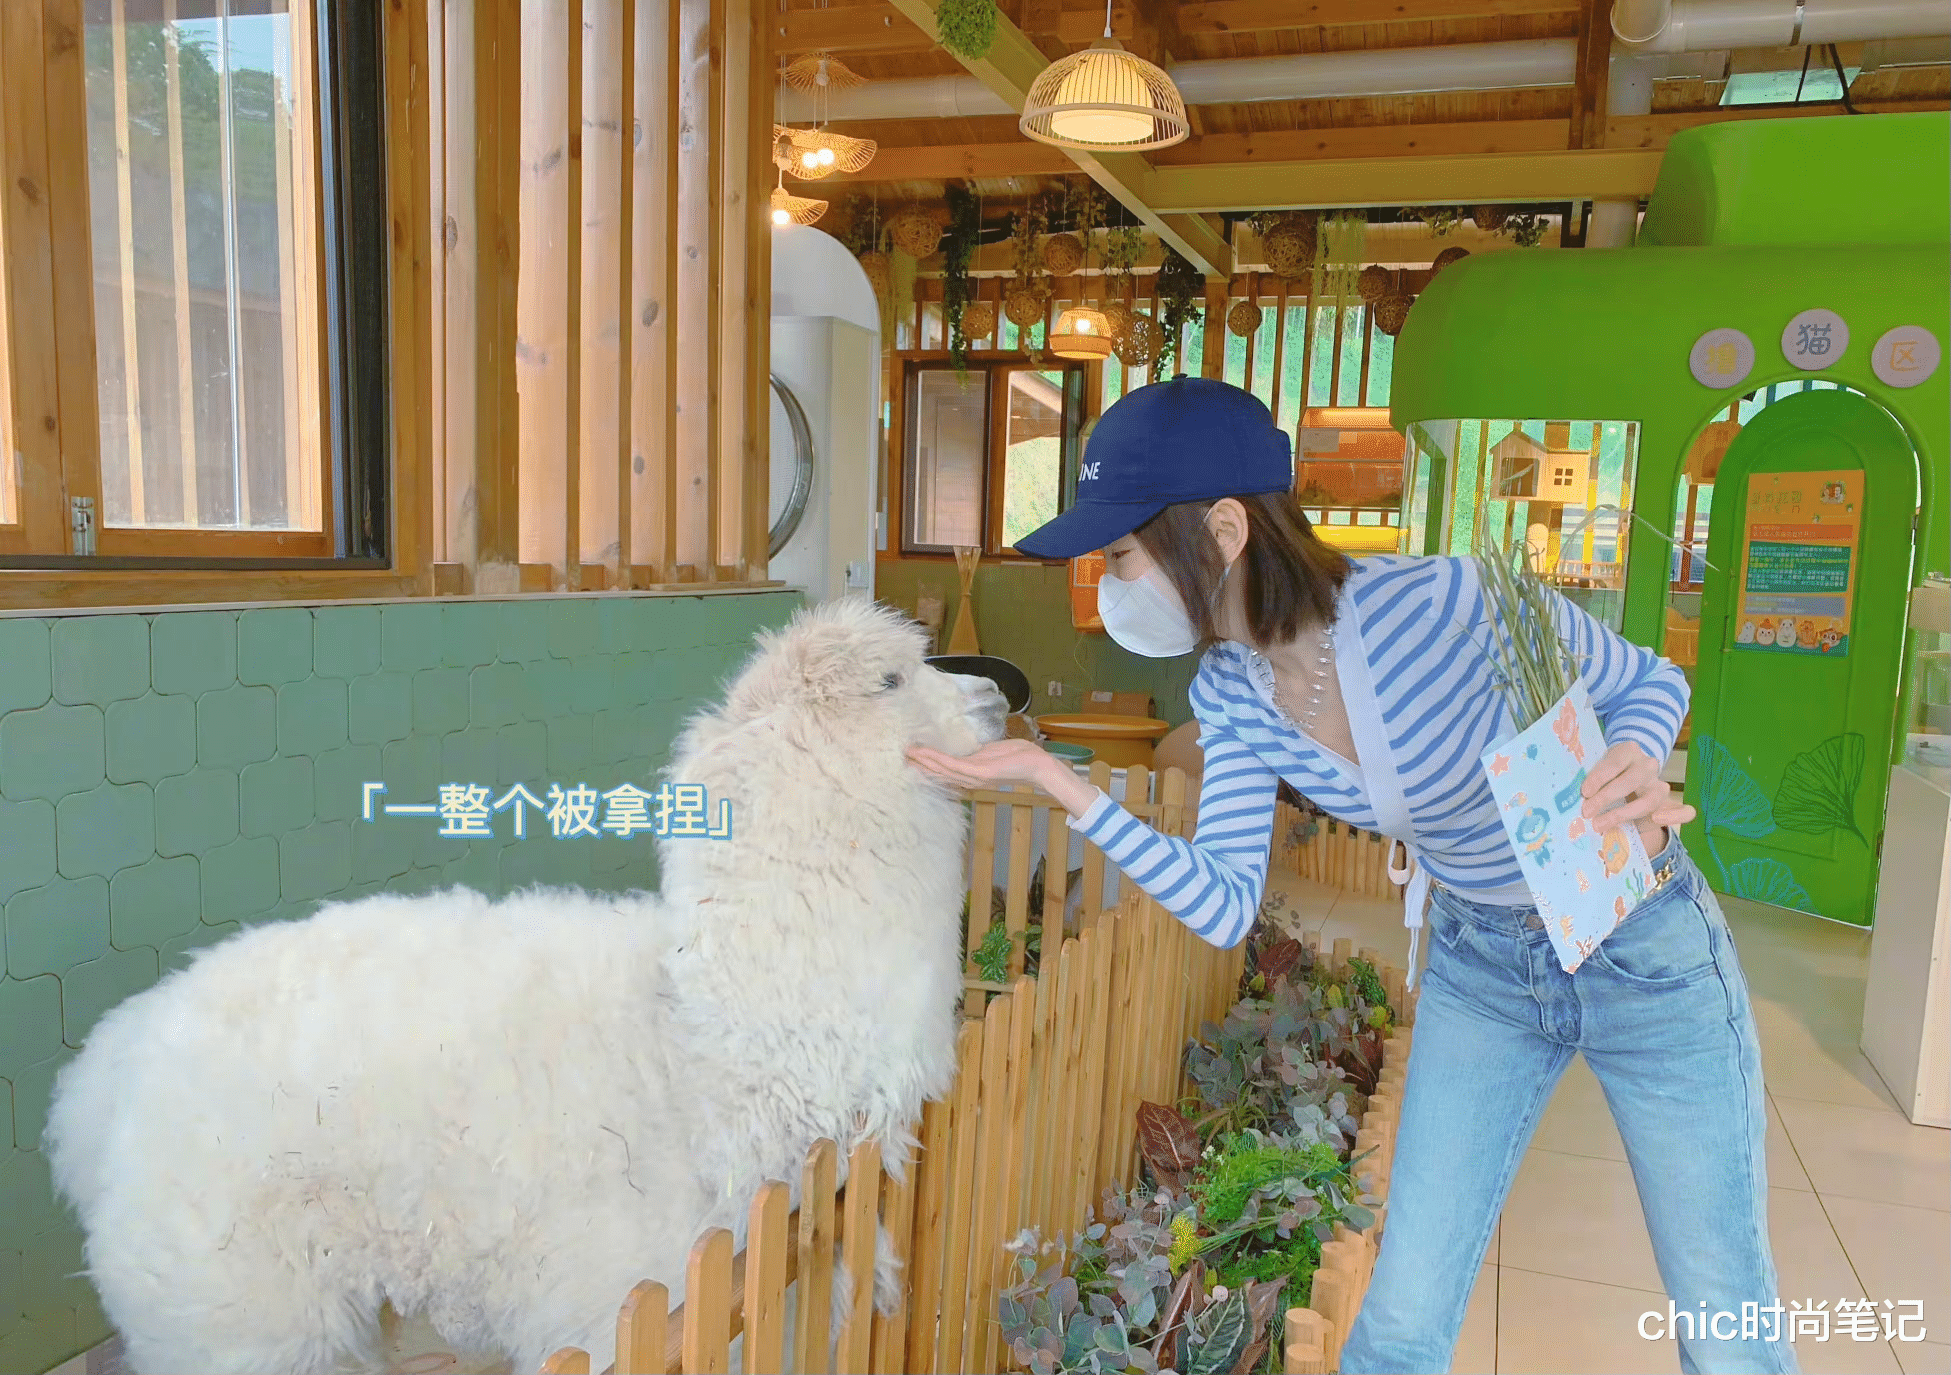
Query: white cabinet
x,y
1906,1009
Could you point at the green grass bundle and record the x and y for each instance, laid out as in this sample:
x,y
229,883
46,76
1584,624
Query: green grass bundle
x,y
1533,667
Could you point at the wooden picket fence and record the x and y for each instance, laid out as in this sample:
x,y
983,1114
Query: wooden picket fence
x,y
1041,1119
1338,855
1011,820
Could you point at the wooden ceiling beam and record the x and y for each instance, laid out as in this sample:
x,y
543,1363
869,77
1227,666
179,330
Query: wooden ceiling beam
x,y
1011,66
1264,16
1557,175
880,26
1024,158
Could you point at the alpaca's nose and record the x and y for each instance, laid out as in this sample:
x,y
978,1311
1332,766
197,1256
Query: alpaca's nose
x,y
990,710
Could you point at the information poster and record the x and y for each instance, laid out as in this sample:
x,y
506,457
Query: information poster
x,y
1798,562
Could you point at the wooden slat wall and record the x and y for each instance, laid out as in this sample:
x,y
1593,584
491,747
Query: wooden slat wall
x,y
604,181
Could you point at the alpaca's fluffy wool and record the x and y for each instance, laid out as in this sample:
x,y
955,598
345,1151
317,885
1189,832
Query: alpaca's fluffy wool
x,y
505,1114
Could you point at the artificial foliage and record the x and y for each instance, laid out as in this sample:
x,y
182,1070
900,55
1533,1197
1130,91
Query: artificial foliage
x,y
966,28
1180,288
1194,1266
958,248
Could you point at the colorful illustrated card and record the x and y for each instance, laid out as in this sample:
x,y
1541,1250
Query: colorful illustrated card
x,y
1585,883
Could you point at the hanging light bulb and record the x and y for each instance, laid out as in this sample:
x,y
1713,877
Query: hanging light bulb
x,y
790,209
1105,97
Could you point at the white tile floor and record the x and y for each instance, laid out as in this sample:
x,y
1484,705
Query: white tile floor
x,y
1859,1199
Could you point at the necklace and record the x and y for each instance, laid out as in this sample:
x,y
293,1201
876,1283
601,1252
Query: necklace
x,y
1319,672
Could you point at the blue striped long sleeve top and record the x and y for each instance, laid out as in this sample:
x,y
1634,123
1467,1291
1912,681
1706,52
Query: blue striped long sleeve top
x,y
1411,639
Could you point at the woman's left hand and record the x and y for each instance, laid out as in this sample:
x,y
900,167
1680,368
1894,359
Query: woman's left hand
x,y
1625,787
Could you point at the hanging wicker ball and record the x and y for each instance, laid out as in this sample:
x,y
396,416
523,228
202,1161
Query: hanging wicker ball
x,y
1375,282
1141,342
1024,307
1243,319
915,232
1289,247
879,270
1117,314
1391,312
1448,256
1063,254
978,320
1490,218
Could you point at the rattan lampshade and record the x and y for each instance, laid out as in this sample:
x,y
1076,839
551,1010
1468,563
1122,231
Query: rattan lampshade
x,y
814,154
790,209
1082,332
1104,97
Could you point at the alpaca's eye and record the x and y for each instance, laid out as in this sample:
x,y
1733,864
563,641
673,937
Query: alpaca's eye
x,y
890,681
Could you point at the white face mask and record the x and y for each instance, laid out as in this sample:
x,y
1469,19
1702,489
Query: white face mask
x,y
1147,616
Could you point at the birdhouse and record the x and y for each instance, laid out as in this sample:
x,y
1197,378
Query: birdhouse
x,y
1517,461
1704,459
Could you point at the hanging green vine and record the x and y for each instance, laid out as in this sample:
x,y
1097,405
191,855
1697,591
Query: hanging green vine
x,y
966,27
1180,288
1527,231
958,247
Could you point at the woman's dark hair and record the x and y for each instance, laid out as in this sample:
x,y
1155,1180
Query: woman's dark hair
x,y
1292,575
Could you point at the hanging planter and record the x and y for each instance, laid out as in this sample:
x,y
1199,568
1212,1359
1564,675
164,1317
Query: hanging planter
x,y
1063,254
915,232
1024,305
1142,341
1391,312
1490,218
1375,283
1448,256
979,320
958,247
880,271
966,28
1288,245
1244,318
1117,318
1180,286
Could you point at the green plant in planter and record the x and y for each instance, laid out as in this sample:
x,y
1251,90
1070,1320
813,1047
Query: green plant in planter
x,y
1180,288
966,27
958,288
1441,219
1527,231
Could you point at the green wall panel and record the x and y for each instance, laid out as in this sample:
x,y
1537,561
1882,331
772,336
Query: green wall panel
x,y
167,779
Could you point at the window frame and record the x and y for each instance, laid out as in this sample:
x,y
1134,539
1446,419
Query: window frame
x,y
353,281
1080,387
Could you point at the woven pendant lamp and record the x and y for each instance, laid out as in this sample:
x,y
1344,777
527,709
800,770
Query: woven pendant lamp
x,y
790,209
1082,332
1105,97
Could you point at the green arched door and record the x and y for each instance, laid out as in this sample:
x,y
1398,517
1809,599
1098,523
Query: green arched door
x,y
1801,637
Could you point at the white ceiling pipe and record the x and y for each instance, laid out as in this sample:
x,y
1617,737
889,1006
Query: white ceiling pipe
x,y
1220,81
1672,26
921,97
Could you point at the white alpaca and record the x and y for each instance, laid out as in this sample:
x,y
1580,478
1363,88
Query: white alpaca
x,y
505,1114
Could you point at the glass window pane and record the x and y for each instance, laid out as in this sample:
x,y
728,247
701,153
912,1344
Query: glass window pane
x,y
196,230
1032,451
947,446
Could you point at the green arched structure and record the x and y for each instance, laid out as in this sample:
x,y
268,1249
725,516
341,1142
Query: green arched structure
x,y
1751,223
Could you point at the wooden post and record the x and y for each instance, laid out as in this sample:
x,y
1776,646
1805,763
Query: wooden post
x,y
862,1208
814,1312
1308,1339
708,1303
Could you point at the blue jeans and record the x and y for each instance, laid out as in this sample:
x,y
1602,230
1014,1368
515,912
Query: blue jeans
x,y
1660,1011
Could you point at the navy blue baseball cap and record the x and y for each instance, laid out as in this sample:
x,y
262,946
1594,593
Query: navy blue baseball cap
x,y
1190,439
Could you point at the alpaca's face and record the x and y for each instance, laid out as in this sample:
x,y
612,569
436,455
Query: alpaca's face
x,y
956,713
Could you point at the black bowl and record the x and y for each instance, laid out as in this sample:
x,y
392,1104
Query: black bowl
x,y
1010,680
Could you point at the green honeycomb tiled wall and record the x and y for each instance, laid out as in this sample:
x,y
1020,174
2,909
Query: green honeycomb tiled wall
x,y
166,779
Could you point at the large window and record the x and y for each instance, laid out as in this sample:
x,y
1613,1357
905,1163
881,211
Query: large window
x,y
238,302
987,452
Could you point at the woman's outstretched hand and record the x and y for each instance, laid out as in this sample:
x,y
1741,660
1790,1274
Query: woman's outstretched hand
x,y
1625,786
1006,763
